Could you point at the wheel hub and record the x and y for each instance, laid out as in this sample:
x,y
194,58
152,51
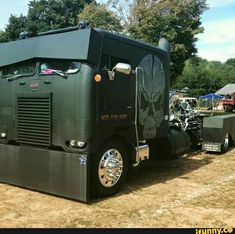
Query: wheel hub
x,y
110,168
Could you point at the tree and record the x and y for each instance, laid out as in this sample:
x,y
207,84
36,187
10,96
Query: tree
x,y
231,62
3,36
229,71
203,77
178,21
15,26
99,16
195,77
46,15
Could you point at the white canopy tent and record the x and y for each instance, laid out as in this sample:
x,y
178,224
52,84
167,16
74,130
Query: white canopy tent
x,y
227,89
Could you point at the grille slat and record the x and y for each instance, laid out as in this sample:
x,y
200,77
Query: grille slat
x,y
34,120
39,115
45,111
39,132
29,137
38,128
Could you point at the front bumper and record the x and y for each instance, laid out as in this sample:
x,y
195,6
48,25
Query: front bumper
x,y
60,173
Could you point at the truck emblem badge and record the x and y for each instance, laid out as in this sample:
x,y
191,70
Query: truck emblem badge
x,y
83,160
34,85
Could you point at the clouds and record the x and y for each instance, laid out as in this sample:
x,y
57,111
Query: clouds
x,y
15,7
216,43
219,3
219,54
218,31
218,40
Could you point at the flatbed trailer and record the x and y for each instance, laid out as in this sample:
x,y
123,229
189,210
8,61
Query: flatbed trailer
x,y
218,132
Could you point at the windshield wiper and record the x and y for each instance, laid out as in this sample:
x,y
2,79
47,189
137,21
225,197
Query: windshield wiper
x,y
51,71
16,77
63,75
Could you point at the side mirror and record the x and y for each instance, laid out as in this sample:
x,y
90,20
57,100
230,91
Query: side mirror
x,y
122,68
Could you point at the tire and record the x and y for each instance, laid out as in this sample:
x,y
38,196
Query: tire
x,y
225,108
226,143
109,169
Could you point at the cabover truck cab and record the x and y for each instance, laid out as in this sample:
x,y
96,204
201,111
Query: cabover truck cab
x,y
78,107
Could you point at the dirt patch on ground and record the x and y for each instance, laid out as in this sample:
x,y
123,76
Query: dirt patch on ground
x,y
193,191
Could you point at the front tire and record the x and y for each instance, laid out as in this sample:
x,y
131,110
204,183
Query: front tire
x,y
109,169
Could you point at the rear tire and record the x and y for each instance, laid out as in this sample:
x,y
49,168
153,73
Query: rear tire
x,y
226,144
226,108
109,169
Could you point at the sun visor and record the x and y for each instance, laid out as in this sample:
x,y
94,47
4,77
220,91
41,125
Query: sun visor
x,y
68,45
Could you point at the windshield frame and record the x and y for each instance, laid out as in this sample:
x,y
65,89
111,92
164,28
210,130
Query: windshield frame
x,y
53,71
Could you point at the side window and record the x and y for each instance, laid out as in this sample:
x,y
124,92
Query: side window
x,y
108,61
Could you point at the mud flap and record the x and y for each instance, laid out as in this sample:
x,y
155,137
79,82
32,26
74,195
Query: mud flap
x,y
60,173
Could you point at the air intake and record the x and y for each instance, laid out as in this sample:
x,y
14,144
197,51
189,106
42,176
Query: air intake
x,y
34,120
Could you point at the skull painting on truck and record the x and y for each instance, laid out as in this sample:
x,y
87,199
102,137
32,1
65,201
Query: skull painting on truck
x,y
151,88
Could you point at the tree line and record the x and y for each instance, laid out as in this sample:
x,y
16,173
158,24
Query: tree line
x,y
202,77
146,20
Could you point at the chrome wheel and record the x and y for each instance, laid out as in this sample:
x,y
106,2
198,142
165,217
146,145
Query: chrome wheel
x,y
110,167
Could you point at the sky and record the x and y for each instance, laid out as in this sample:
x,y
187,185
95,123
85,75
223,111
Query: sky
x,y
216,43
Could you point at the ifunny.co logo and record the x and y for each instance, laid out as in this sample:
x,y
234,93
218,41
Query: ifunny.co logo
x,y
214,230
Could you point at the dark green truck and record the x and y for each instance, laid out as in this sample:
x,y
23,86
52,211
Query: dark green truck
x,y
70,122
78,107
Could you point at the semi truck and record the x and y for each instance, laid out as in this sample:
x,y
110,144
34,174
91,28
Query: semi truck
x,y
79,107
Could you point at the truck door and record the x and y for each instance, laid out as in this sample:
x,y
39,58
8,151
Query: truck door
x,y
114,98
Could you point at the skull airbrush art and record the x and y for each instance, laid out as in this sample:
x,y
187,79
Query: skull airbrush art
x,y
151,88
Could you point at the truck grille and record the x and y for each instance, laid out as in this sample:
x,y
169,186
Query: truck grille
x,y
34,120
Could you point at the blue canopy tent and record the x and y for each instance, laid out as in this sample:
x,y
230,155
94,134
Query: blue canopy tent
x,y
211,96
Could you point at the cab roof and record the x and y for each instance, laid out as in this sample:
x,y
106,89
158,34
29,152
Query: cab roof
x,y
69,43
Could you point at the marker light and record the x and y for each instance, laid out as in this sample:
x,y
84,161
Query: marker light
x,y
97,78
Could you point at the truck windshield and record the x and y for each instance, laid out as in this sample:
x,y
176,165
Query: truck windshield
x,y
25,68
50,67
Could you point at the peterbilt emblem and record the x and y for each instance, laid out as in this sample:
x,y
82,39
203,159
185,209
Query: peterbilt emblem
x,y
34,85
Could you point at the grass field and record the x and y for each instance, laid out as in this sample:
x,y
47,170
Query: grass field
x,y
196,190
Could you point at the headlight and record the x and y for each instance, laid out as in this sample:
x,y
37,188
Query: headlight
x,y
3,135
75,143
80,144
